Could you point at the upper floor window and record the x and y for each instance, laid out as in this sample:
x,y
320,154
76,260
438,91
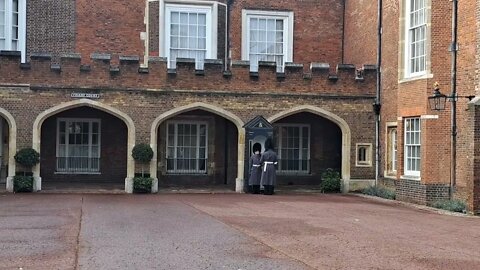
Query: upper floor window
x,y
416,37
412,146
267,36
12,25
189,34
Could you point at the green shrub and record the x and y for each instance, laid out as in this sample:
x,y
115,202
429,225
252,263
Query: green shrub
x,y
331,181
379,192
451,205
142,153
27,157
22,183
142,185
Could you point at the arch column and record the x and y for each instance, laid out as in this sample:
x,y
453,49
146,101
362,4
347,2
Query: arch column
x,y
346,135
205,107
37,131
12,147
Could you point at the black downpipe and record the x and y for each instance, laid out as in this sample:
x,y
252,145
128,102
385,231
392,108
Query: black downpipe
x,y
377,106
454,49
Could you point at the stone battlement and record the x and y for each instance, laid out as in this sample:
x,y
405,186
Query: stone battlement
x,y
130,74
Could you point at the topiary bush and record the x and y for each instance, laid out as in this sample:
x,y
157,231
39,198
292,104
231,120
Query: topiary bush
x,y
331,181
142,184
142,153
379,192
451,205
22,183
27,157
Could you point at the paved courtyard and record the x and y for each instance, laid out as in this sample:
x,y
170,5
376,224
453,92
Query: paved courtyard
x,y
229,231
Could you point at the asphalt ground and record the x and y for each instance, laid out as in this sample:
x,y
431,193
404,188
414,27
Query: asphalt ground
x,y
229,231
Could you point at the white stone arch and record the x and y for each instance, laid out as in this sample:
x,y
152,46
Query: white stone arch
x,y
204,107
12,146
346,134
37,128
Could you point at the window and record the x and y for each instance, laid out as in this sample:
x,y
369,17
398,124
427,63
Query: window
x,y
412,146
78,145
293,144
187,147
12,25
188,34
267,36
364,155
416,36
392,150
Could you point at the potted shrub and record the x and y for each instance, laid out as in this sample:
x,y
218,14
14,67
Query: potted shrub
x,y
28,158
331,181
143,154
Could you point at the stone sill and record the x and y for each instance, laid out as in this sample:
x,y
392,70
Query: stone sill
x,y
411,177
416,78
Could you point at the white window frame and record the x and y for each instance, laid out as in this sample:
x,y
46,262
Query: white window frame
x,y
408,41
175,123
368,155
287,16
393,149
22,22
279,148
407,172
84,120
166,7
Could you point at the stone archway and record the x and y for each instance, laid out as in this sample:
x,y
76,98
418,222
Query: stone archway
x,y
342,124
12,147
209,108
37,127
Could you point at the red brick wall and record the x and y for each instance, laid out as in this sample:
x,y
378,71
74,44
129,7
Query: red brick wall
x,y
113,164
360,32
317,29
110,27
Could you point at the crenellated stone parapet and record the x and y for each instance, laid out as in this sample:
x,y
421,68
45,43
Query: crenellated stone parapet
x,y
346,80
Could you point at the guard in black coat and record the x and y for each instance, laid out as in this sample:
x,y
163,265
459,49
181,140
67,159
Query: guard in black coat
x,y
255,169
269,172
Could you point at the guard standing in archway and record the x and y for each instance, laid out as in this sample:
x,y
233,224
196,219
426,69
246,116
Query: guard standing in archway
x,y
269,172
255,169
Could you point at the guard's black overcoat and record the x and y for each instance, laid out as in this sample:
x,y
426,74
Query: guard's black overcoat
x,y
269,175
255,170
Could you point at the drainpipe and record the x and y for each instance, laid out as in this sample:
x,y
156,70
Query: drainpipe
x,y
377,106
454,49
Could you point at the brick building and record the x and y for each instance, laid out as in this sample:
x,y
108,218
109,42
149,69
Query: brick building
x,y
83,82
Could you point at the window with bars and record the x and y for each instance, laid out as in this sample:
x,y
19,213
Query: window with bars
x,y
78,145
416,36
293,144
12,25
188,34
267,36
187,147
412,146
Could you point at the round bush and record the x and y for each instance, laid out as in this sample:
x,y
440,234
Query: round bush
x,y
142,153
27,157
